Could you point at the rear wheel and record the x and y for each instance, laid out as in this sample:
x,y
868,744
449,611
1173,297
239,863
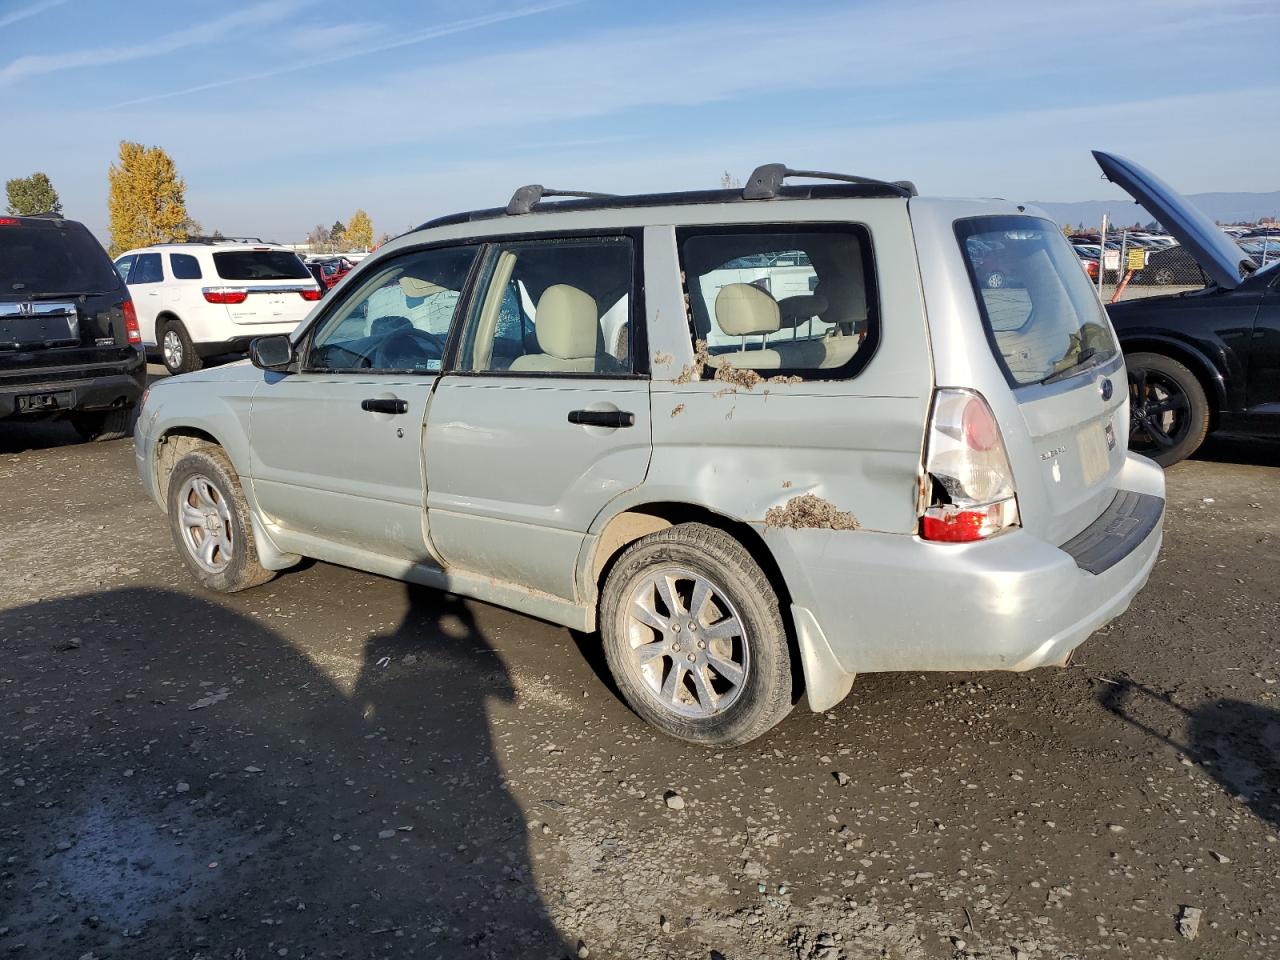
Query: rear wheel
x,y
694,637
209,520
1168,410
995,280
100,426
176,349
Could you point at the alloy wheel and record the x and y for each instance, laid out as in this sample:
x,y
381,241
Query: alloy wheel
x,y
172,347
689,646
1159,412
205,522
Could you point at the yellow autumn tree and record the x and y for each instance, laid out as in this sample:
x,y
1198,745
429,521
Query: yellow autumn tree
x,y
146,198
359,232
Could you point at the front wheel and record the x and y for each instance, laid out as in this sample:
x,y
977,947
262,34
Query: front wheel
x,y
209,520
694,637
1168,410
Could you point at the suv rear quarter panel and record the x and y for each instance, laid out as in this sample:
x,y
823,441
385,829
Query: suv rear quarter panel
x,y
855,443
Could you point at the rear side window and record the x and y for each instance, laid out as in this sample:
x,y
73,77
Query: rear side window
x,y
146,269
184,266
260,265
1041,314
783,300
53,258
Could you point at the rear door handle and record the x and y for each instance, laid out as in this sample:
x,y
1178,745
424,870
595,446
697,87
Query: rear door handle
x,y
381,405
603,418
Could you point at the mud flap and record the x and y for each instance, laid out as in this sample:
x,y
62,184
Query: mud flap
x,y
826,682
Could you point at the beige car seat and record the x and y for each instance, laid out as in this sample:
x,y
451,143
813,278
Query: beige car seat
x,y
743,310
567,324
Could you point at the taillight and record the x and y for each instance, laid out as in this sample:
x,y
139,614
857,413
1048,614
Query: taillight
x,y
133,333
10,222
971,495
225,295
313,293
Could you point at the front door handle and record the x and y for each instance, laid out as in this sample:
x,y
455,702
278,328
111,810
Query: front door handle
x,y
382,405
603,418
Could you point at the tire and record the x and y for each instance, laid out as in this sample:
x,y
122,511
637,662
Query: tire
x,y
176,349
206,482
1168,409
717,711
100,426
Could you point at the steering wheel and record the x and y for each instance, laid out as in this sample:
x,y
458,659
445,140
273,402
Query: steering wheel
x,y
406,348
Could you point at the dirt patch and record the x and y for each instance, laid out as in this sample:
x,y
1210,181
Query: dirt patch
x,y
692,372
808,511
662,358
738,376
677,409
780,379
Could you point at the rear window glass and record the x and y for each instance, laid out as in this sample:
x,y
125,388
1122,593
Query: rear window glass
x,y
260,265
1041,313
184,266
783,300
54,259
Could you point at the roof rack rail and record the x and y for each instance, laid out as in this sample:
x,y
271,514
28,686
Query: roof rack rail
x,y
524,199
197,238
766,181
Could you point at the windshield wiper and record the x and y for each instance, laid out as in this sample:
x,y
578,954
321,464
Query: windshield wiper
x,y
1082,362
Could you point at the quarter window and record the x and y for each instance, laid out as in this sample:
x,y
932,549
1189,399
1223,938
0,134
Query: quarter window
x,y
559,306
398,319
122,267
184,266
783,300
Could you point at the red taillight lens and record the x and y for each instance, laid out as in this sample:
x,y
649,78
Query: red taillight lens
x,y
132,331
9,221
313,294
969,493
225,295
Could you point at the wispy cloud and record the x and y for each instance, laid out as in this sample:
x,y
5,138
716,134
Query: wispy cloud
x,y
404,40
13,16
313,39
206,32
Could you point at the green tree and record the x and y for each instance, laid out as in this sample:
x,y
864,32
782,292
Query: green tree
x,y
359,232
32,195
337,233
146,198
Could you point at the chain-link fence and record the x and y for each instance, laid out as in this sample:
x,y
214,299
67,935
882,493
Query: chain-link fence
x,y
1128,264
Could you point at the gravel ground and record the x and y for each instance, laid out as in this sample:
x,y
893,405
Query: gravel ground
x,y
336,765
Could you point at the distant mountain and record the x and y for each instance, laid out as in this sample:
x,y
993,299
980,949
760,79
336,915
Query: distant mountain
x,y
1223,207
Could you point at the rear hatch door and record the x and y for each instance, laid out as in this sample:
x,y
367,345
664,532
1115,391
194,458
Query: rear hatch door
x,y
61,300
1216,253
277,285
1054,344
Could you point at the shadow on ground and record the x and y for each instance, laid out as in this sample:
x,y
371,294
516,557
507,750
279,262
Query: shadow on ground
x,y
1236,742
1240,450
178,780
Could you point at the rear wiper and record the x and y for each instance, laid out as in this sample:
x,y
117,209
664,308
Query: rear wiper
x,y
1082,361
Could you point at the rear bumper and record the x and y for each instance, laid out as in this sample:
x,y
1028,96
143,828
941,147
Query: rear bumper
x,y
866,602
101,390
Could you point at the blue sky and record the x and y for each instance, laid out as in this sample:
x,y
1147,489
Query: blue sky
x,y
282,114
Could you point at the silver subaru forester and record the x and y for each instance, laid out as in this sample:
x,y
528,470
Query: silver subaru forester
x,y
831,427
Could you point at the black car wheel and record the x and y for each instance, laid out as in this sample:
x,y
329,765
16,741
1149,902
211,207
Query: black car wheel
x,y
1168,410
103,425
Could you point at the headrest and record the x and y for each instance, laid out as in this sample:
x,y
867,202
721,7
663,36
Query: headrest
x,y
798,309
567,322
743,310
413,287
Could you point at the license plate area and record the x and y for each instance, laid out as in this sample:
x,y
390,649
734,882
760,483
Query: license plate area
x,y
1094,453
38,330
43,402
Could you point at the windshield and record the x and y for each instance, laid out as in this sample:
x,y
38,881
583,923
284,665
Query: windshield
x,y
53,258
260,265
1041,314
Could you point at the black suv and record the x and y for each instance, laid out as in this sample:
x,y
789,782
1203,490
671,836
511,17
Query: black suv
x,y
69,339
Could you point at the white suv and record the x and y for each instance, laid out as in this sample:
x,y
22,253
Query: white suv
x,y
205,298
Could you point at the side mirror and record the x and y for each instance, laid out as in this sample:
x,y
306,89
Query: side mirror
x,y
271,353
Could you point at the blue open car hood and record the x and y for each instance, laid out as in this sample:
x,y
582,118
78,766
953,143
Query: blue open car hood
x,y
1217,254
